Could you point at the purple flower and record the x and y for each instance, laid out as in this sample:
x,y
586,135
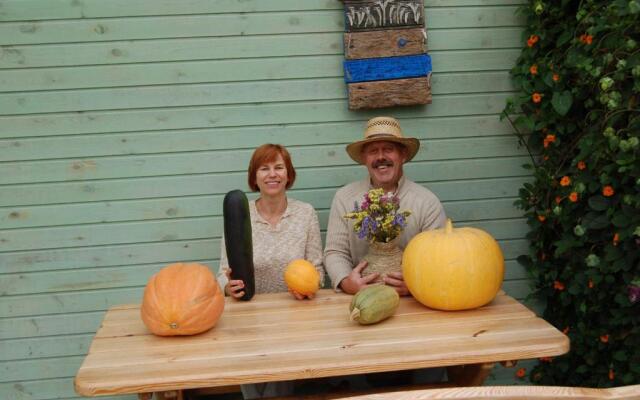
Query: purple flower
x,y
634,293
399,220
367,228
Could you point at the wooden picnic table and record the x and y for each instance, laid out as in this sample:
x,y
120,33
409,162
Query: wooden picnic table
x,y
274,337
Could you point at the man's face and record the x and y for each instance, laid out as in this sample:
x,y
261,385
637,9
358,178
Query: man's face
x,y
384,161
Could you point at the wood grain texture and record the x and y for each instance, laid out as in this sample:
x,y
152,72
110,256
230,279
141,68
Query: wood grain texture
x,y
28,10
274,337
523,392
169,50
381,94
252,69
222,25
384,43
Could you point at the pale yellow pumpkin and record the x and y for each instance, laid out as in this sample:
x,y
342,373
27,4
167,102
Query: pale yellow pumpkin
x,y
453,269
301,276
182,299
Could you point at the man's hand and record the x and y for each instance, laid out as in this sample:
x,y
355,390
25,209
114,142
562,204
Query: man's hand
x,y
355,281
234,287
396,280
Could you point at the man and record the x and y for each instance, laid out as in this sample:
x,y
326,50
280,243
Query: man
x,y
384,150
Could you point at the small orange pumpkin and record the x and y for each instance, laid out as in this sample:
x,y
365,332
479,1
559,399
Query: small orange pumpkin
x,y
182,299
301,276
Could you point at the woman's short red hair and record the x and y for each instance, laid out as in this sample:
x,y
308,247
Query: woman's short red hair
x,y
269,153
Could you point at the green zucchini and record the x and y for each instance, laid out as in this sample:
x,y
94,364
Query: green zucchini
x,y
374,304
237,240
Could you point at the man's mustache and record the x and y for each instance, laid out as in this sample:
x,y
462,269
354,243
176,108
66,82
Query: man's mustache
x,y
382,163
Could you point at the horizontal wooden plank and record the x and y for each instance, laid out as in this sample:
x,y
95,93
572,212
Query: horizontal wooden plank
x,y
384,43
47,389
62,303
370,14
130,253
245,24
385,68
152,187
29,10
234,93
65,324
222,161
318,133
119,52
177,26
45,347
192,206
202,227
160,73
232,115
382,94
48,368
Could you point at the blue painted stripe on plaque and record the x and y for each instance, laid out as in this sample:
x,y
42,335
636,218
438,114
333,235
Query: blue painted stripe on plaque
x,y
386,68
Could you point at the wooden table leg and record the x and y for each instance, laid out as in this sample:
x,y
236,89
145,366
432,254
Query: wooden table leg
x,y
469,375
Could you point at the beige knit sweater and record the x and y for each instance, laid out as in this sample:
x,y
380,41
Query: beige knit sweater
x,y
344,249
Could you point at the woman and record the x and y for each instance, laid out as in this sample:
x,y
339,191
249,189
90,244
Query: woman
x,y
283,229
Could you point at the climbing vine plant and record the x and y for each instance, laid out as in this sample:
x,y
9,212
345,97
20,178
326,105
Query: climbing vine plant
x,y
578,113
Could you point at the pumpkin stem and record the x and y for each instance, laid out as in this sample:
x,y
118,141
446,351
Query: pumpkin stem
x,y
449,226
355,315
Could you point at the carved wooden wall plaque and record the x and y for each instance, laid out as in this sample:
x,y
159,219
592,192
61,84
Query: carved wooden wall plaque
x,y
386,61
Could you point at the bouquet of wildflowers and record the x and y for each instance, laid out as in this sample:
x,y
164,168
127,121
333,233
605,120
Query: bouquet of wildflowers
x,y
378,218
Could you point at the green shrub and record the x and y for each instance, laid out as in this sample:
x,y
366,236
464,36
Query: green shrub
x,y
578,112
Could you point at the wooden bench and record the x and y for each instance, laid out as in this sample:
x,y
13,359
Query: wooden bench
x,y
508,392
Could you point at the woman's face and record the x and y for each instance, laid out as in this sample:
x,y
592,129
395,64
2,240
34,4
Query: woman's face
x,y
271,178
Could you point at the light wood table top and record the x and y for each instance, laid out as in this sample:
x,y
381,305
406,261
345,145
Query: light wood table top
x,y
274,337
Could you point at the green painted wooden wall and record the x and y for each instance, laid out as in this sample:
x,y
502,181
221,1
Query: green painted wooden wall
x,y
124,122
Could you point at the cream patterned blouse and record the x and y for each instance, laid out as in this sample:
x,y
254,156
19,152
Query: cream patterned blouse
x,y
297,235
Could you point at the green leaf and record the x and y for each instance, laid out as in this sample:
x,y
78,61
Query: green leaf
x,y
564,37
595,221
598,203
524,122
561,102
565,244
620,220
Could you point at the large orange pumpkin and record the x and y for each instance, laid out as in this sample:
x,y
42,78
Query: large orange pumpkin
x,y
302,277
453,269
182,299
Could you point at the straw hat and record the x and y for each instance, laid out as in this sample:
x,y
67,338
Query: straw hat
x,y
383,129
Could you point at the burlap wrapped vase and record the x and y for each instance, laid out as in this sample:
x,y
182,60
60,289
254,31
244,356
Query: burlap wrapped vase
x,y
383,258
